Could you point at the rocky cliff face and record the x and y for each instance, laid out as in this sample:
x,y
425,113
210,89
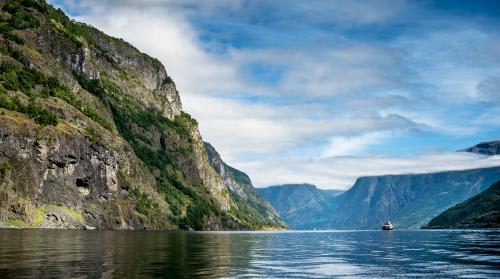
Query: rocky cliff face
x,y
250,207
92,134
61,168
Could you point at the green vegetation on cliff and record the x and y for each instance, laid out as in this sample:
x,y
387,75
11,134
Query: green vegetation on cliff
x,y
93,127
250,207
3,170
480,211
24,80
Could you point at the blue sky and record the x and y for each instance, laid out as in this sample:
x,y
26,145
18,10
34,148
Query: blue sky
x,y
325,91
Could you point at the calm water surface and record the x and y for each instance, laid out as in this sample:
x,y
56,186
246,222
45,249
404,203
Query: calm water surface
x,y
349,254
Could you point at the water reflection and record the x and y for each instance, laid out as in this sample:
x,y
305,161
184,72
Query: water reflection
x,y
368,254
93,254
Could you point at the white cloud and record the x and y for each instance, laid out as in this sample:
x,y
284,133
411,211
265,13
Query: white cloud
x,y
341,172
167,35
453,59
329,99
352,145
242,130
327,71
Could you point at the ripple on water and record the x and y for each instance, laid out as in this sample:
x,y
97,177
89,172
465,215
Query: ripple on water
x,y
337,269
440,251
468,272
413,249
356,254
482,258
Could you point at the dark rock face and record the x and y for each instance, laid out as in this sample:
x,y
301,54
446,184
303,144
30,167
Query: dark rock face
x,y
480,211
92,135
486,148
302,206
47,167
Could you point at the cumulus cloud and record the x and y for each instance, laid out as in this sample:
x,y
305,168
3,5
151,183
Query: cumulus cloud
x,y
289,92
352,145
247,130
342,172
349,70
168,36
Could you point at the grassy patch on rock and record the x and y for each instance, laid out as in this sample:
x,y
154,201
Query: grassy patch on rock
x,y
40,213
16,224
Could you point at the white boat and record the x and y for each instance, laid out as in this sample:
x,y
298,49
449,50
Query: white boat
x,y
387,226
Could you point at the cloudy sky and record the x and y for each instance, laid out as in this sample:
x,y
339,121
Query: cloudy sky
x,y
324,91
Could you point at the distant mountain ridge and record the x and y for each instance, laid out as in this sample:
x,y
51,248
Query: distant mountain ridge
x,y
486,148
480,211
302,206
409,201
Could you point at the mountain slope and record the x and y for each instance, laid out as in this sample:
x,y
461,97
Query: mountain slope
x,y
248,201
92,134
481,211
409,201
302,206
486,148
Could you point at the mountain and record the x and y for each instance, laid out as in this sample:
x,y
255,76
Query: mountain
x,y
480,211
92,135
486,148
333,192
409,201
248,202
302,206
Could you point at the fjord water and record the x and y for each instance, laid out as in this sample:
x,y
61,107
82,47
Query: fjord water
x,y
324,254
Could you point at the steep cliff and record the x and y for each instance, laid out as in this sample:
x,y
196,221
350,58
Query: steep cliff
x,y
480,211
409,201
250,207
92,134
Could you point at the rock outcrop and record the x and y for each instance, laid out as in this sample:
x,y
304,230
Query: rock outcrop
x,y
486,148
92,135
